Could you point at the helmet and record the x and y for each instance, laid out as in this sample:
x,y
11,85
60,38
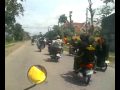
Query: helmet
x,y
91,39
83,36
90,48
58,37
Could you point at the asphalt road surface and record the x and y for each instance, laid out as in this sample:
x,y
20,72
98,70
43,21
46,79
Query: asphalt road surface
x,y
60,75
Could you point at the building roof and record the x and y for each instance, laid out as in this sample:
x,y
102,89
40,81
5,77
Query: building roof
x,y
78,26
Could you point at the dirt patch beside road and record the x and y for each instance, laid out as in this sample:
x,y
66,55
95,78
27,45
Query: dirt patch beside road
x,y
12,48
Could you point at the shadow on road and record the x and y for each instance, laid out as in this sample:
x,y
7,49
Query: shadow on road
x,y
69,55
49,60
46,54
71,77
100,70
37,51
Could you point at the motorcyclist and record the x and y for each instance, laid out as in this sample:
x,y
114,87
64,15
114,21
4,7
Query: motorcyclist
x,y
73,45
57,44
49,43
82,55
41,42
102,51
32,40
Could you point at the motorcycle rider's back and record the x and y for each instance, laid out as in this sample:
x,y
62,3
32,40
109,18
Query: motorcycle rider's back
x,y
56,44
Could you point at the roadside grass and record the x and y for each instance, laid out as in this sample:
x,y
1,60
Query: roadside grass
x,y
9,45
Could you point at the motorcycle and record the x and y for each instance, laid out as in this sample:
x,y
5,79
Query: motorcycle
x,y
85,71
40,46
102,66
71,50
32,42
56,55
49,48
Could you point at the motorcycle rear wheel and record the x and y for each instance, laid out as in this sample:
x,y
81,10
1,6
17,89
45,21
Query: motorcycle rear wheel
x,y
87,79
104,68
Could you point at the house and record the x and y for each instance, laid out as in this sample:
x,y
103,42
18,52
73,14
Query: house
x,y
77,26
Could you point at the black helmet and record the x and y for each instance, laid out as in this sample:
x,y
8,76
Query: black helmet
x,y
82,36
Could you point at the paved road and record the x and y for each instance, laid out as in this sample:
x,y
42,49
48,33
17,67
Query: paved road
x,y
59,74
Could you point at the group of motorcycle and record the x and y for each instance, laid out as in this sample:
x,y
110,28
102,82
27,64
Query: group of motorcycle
x,y
54,51
86,70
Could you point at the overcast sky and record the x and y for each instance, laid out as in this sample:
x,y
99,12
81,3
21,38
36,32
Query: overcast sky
x,y
39,14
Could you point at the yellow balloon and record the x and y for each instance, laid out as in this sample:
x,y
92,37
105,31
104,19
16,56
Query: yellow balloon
x,y
36,75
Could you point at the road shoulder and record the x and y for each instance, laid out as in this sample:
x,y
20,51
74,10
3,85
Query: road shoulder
x,y
13,47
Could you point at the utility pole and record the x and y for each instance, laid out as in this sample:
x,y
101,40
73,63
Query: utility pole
x,y
70,18
86,19
70,15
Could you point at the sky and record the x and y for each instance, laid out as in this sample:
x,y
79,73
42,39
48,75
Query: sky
x,y
41,14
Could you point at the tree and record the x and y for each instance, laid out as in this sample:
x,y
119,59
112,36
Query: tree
x,y
18,32
26,35
57,30
92,12
107,1
62,19
105,10
50,34
12,9
68,33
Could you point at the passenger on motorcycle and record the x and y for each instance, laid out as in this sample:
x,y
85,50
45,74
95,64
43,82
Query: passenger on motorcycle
x,y
74,45
102,51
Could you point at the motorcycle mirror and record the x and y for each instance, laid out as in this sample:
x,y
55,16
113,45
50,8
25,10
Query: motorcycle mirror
x,y
37,74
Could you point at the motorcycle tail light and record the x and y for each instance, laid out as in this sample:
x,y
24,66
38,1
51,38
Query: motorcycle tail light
x,y
89,66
